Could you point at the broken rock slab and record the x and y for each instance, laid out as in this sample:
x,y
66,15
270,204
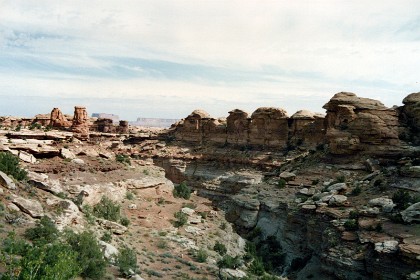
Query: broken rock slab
x,y
6,181
384,202
29,206
412,213
387,247
113,226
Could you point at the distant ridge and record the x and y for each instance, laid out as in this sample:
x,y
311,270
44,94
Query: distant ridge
x,y
154,122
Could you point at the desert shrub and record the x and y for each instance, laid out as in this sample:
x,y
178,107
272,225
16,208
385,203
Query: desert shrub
x,y
88,211
55,260
9,164
35,126
223,226
125,221
127,261
182,190
123,159
315,182
403,199
201,256
107,236
356,191
281,183
229,262
354,215
90,257
44,232
107,209
220,248
181,219
341,179
129,195
257,267
351,225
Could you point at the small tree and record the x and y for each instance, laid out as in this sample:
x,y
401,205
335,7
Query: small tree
x,y
107,209
220,248
9,164
182,190
181,219
44,231
90,257
127,261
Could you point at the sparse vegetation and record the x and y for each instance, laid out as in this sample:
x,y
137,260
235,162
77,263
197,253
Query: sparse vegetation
x,y
201,256
9,164
129,195
403,199
107,236
351,225
182,191
356,190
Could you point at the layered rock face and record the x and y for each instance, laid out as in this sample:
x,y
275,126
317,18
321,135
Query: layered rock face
x,y
80,122
266,127
352,125
57,119
410,116
356,124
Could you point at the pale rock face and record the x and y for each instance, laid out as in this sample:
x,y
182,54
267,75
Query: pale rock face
x,y
109,250
26,157
288,176
29,206
112,226
338,187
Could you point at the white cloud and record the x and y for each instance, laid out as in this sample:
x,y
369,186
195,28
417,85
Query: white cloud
x,y
371,48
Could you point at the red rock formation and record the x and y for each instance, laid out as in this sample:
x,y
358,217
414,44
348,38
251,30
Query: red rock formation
x,y
103,125
57,119
80,122
360,124
190,129
269,127
123,127
237,127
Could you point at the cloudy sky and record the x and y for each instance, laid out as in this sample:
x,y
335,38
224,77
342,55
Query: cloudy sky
x,y
165,58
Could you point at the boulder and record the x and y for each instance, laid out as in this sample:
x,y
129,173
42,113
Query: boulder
x,y
6,181
338,187
66,153
29,206
188,211
387,247
112,226
57,119
412,213
287,176
110,252
26,157
384,202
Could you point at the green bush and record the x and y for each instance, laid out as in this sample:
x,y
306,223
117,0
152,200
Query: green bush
x,y
281,183
127,261
182,190
90,257
351,225
107,237
229,262
403,199
201,256
356,191
39,261
123,159
129,195
44,232
181,219
9,164
125,221
220,248
107,209
257,267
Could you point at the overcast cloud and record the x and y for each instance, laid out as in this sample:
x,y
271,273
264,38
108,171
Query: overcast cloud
x,y
165,58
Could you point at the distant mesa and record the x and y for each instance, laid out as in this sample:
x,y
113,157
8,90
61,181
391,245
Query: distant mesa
x,y
115,118
154,122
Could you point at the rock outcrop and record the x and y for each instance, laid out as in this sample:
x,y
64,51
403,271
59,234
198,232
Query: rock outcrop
x,y
410,116
58,120
80,123
355,124
269,127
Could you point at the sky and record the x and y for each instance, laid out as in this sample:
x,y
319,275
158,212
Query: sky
x,y
165,58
